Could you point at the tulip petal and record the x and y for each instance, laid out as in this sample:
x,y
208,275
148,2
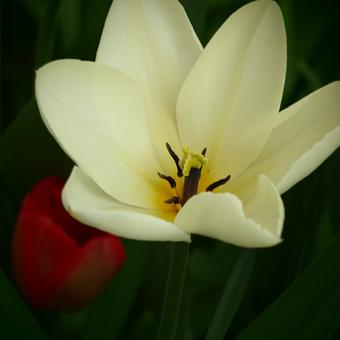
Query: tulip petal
x,y
93,265
85,201
231,95
154,42
306,134
58,262
256,223
97,116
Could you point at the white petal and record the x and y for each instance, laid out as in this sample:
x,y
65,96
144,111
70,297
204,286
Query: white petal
x,y
232,93
257,223
96,113
89,204
152,41
305,135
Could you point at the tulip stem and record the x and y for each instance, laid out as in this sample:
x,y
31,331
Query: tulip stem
x,y
173,291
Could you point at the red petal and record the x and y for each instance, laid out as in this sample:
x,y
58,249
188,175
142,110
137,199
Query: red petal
x,y
59,262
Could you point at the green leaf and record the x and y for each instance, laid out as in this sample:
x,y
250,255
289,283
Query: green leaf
x,y
196,11
108,315
333,189
17,322
28,153
47,31
33,7
70,24
7,217
144,328
211,263
232,295
309,308
92,19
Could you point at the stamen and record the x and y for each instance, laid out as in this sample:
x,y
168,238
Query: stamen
x,y
173,200
169,179
176,159
218,183
190,166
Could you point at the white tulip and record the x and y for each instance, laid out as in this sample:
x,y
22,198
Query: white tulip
x,y
153,84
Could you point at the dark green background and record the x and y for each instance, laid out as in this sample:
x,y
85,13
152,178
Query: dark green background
x,y
294,288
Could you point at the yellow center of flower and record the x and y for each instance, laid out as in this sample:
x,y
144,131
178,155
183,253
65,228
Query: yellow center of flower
x,y
190,166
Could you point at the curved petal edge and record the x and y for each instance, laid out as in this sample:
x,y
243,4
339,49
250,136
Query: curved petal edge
x,y
254,224
85,201
316,155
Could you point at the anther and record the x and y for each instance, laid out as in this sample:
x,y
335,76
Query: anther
x,y
218,183
169,179
176,159
173,200
204,151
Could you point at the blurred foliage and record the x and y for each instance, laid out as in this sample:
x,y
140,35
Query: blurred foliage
x,y
294,289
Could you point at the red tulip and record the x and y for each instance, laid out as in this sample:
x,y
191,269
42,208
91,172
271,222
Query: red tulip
x,y
58,262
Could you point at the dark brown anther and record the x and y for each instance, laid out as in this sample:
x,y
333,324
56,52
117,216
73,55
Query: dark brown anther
x,y
176,159
172,200
169,179
204,151
218,183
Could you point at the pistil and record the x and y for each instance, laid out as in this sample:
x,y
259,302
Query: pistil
x,y
191,184
190,166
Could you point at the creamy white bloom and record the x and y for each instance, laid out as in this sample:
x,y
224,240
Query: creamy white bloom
x,y
152,84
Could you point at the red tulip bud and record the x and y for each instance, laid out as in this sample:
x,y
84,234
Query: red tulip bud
x,y
58,262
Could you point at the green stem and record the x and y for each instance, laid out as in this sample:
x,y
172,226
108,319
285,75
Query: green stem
x,y
173,291
231,296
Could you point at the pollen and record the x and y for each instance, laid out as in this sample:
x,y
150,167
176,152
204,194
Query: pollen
x,y
191,160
